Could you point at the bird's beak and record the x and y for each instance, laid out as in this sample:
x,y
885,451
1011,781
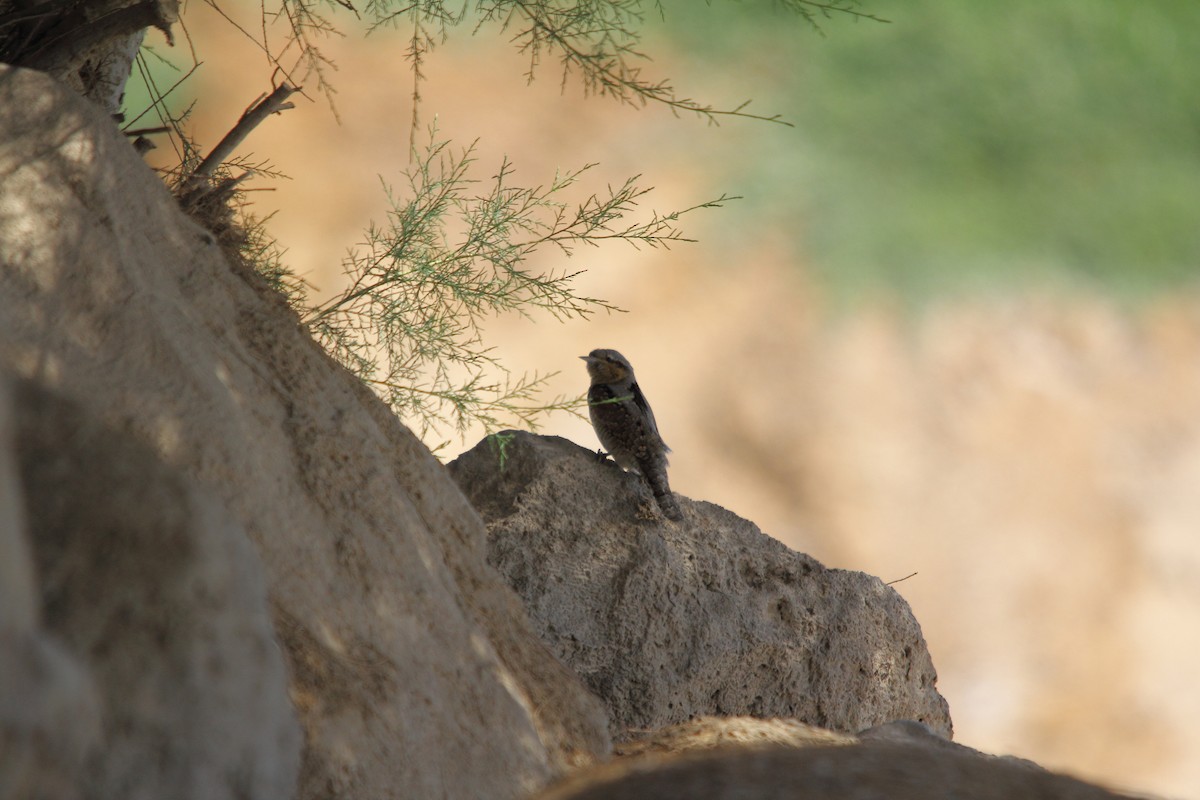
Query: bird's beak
x,y
586,358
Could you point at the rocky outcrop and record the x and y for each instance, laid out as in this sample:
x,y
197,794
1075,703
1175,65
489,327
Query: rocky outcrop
x,y
49,710
413,672
710,616
226,570
735,758
149,583
865,771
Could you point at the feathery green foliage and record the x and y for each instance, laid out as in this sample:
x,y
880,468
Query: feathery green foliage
x,y
455,251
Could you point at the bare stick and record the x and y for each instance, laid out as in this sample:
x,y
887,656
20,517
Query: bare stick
x,y
147,131
251,118
906,577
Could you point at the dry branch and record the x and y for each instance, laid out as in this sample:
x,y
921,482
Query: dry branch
x,y
251,118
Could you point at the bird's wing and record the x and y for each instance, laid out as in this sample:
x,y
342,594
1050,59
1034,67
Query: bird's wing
x,y
640,400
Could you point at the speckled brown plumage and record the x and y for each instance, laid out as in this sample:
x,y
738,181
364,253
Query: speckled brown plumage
x,y
625,424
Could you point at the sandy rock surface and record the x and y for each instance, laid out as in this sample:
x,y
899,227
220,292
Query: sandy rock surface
x,y
147,580
412,671
710,616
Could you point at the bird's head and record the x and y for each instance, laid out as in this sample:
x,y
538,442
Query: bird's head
x,y
608,366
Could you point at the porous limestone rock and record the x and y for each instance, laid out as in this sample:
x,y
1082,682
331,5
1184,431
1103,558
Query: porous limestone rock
x,y
668,621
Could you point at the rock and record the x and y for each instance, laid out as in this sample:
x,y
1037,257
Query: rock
x,y
725,758
49,718
49,709
909,731
906,731
148,581
667,622
709,732
866,771
413,670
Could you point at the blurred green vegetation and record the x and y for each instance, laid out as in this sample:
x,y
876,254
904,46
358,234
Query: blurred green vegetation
x,y
962,144
958,145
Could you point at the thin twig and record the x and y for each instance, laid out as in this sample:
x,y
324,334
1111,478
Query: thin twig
x,y
251,118
147,131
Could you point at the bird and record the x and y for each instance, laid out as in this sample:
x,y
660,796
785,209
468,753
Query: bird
x,y
625,424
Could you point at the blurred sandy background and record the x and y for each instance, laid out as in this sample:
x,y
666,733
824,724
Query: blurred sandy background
x,y
1030,449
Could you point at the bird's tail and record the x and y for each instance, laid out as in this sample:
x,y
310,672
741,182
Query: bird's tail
x,y
656,476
